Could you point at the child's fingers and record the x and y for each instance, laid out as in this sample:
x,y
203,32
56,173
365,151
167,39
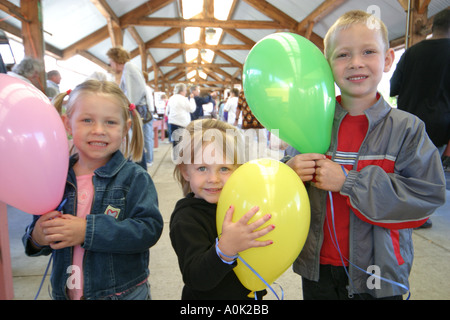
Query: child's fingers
x,y
259,244
59,245
54,222
258,223
259,233
246,217
228,218
49,216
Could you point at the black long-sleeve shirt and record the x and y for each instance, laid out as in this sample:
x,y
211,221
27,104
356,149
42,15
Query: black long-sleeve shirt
x,y
422,82
193,234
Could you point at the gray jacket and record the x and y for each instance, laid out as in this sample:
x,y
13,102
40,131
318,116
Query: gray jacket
x,y
396,184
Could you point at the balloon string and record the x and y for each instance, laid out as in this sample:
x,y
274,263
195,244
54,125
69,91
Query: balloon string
x,y
45,274
61,205
336,245
262,279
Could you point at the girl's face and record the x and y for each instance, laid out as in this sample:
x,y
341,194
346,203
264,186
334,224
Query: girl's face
x,y
207,180
97,127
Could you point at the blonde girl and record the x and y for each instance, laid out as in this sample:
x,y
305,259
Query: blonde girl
x,y
132,149
110,217
210,151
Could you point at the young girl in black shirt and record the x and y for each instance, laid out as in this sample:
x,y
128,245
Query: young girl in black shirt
x,y
207,155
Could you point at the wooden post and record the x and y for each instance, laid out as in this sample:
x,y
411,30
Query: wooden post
x,y
416,15
33,36
6,280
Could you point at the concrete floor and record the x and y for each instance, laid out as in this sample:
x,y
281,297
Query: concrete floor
x,y
429,278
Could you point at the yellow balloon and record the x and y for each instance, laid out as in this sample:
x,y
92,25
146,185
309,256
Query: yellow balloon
x,y
277,190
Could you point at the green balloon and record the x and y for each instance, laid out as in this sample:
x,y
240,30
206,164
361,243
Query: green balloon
x,y
289,86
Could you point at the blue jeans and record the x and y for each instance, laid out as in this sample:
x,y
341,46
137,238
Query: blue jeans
x,y
148,140
141,292
172,128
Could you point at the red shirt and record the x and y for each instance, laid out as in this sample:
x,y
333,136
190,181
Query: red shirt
x,y
352,132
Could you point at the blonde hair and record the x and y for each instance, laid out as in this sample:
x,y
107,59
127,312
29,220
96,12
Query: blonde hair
x,y
351,18
118,55
133,148
204,130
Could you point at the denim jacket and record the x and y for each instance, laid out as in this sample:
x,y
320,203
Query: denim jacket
x,y
123,224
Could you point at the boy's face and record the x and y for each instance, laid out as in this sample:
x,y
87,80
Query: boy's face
x,y
358,60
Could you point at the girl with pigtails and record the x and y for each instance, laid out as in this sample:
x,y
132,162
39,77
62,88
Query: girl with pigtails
x,y
109,218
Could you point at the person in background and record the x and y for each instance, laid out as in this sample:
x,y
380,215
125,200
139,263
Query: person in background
x,y
133,84
421,82
199,102
53,81
179,110
231,108
149,133
28,70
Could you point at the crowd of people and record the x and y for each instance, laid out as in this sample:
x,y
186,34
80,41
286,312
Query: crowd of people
x,y
382,176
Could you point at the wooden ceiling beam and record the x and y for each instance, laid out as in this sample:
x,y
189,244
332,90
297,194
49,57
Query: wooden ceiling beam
x,y
13,10
213,23
112,22
229,59
162,37
106,11
272,12
208,9
143,10
319,13
87,42
239,36
198,65
16,32
170,58
200,46
171,72
94,59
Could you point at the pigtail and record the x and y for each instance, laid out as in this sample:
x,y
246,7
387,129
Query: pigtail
x,y
58,101
136,145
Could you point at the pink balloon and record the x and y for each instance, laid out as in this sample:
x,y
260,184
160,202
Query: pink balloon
x,y
34,152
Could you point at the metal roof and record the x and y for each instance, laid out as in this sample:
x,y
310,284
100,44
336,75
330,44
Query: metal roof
x,y
81,27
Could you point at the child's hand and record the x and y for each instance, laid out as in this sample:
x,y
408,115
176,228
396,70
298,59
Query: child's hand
x,y
64,231
329,175
38,234
305,165
239,236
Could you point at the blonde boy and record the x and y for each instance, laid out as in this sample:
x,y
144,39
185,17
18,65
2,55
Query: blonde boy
x,y
380,177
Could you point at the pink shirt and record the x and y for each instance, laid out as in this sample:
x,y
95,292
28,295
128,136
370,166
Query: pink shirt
x,y
85,197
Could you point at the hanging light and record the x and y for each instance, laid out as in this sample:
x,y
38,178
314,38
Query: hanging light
x,y
210,33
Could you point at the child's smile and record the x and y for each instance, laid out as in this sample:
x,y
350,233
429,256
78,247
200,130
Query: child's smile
x,y
97,127
207,180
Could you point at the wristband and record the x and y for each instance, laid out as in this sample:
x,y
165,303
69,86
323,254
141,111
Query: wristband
x,y
219,253
28,233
